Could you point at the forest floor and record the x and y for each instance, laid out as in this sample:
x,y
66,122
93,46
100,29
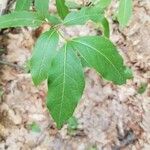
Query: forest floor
x,y
109,117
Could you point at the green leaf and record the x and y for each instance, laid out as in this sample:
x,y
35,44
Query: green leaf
x,y
23,5
100,54
82,16
76,17
42,6
105,26
103,22
142,88
43,53
65,85
34,127
104,3
53,19
72,123
72,5
20,19
62,8
128,73
72,126
124,12
88,13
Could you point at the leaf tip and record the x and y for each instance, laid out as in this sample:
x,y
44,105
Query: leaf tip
x,y
35,81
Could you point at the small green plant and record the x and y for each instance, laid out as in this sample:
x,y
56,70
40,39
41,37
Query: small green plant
x,y
34,127
142,88
72,125
93,148
63,66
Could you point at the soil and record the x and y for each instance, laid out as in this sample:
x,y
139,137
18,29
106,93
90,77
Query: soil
x,y
110,117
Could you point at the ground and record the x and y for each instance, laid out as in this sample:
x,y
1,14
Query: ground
x,y
109,117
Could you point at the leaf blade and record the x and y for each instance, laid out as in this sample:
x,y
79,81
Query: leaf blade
x,y
124,12
42,6
82,16
20,19
43,53
65,85
104,3
62,8
100,54
53,19
105,26
23,5
94,14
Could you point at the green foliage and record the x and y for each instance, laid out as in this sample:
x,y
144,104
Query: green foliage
x,y
20,19
128,73
43,53
94,14
34,127
62,8
53,20
23,5
63,66
124,12
72,123
142,88
104,3
42,6
72,126
82,16
105,25
72,5
97,50
65,85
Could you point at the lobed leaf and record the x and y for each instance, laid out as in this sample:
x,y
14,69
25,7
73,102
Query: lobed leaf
x,y
99,53
124,12
23,5
62,8
20,19
43,53
65,85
